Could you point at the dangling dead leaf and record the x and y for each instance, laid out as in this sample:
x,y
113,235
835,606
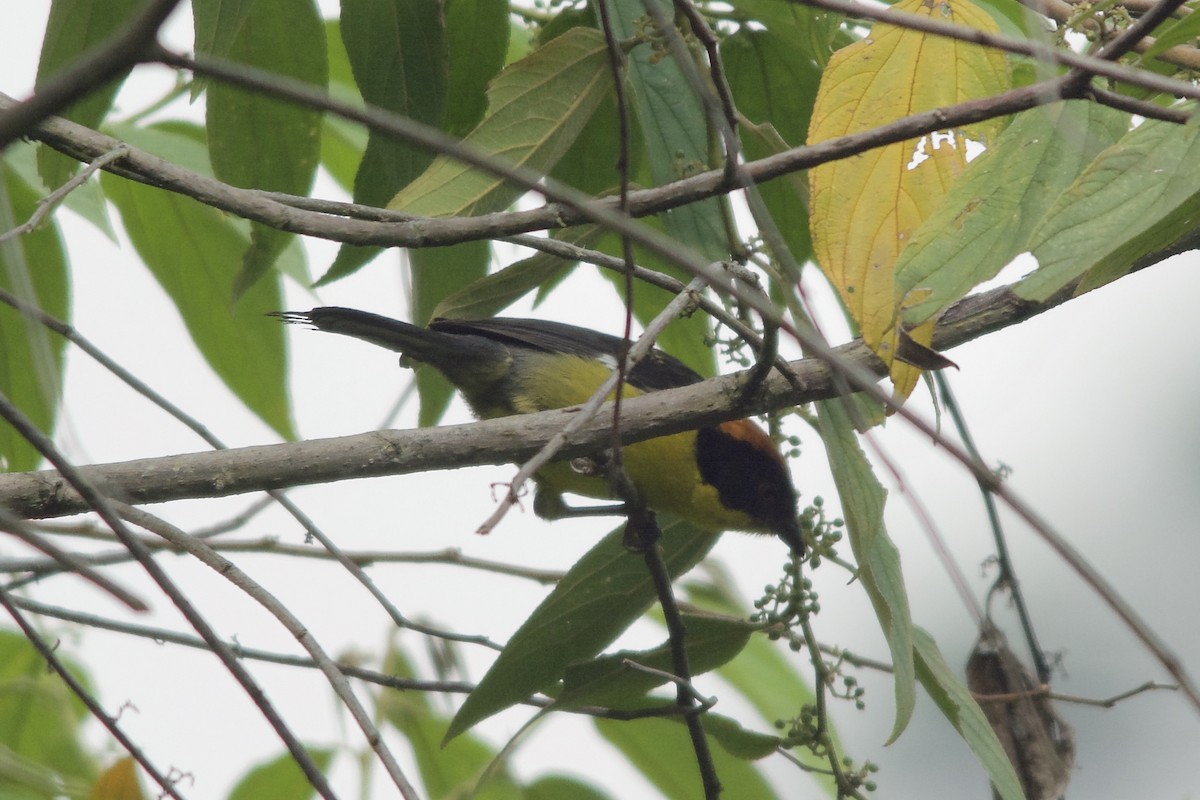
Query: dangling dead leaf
x,y
1039,744
118,782
865,208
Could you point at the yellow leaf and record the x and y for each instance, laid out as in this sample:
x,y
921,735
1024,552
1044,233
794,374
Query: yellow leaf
x,y
118,782
865,208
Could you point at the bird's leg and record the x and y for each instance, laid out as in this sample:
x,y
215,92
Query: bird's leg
x,y
549,505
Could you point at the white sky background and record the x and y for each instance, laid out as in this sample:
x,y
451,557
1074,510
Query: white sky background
x,y
1091,405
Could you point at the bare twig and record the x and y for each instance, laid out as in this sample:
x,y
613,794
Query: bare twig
x,y
1128,39
80,142
96,501
701,702
51,201
70,333
385,680
60,559
93,69
1008,573
85,696
1091,65
686,696
1044,691
260,595
40,567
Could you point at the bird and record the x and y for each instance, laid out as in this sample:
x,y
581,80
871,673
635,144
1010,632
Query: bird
x,y
729,476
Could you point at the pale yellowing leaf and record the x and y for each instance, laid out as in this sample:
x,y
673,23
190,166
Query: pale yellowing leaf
x,y
118,782
865,208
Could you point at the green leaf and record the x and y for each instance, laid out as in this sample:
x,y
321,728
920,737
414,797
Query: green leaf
x,y
193,250
1138,196
259,142
399,55
40,726
815,33
674,141
536,108
775,84
590,607
33,267
674,130
280,778
436,273
1173,32
74,28
591,164
661,750
960,708
560,787
737,741
447,770
1020,21
397,49
342,142
878,560
477,34
494,292
218,24
989,214
607,681
772,81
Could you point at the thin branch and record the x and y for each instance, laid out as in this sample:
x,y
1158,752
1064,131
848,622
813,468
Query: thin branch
x,y
39,568
1008,572
60,559
165,635
48,203
386,680
87,73
71,334
936,540
822,741
98,502
80,142
1132,105
1092,65
496,441
1044,691
616,461
1128,39
260,595
725,111
1184,56
700,702
686,696
85,696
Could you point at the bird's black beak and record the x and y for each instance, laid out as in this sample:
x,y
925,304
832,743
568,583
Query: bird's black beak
x,y
789,531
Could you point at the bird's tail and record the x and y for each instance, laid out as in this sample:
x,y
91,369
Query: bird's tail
x,y
438,349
